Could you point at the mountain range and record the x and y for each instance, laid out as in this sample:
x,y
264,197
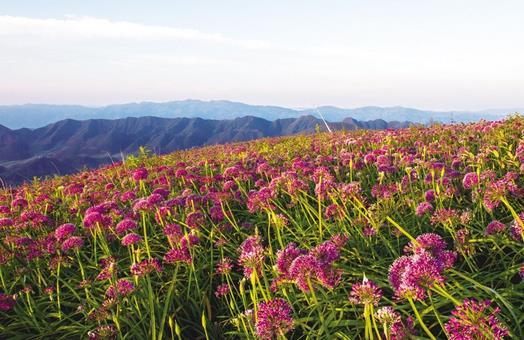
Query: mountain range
x,y
69,145
38,115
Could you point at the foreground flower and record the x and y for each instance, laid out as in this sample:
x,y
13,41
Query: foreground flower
x,y
365,293
273,319
473,320
64,231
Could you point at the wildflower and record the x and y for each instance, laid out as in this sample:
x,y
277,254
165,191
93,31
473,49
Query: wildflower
x,y
495,227
130,239
429,242
472,320
74,242
123,288
222,290
429,196
140,174
251,255
402,330
102,332
515,229
387,316
304,269
273,319
285,258
424,208
224,266
7,302
64,231
125,225
365,293
146,266
178,255
470,180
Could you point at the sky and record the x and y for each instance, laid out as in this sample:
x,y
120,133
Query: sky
x,y
439,55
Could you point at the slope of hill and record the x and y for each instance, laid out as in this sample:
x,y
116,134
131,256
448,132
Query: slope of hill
x,y
391,234
70,145
36,115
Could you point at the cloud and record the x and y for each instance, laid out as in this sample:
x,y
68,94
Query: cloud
x,y
90,28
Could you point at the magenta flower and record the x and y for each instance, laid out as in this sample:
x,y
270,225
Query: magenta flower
x,y
130,239
304,269
64,231
273,319
123,288
495,227
146,266
473,320
74,242
423,208
365,293
429,242
222,290
251,255
124,226
178,255
285,258
224,266
7,302
470,180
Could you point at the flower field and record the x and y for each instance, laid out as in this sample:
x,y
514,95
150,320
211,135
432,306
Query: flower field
x,y
414,233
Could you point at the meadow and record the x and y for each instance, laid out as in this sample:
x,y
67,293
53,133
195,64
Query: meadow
x,y
395,234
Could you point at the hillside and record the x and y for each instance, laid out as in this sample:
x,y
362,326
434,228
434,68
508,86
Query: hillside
x,y
70,145
38,115
384,234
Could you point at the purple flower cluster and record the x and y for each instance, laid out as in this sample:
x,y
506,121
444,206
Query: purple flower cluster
x,y
251,255
146,266
123,288
274,319
473,320
307,268
411,275
365,293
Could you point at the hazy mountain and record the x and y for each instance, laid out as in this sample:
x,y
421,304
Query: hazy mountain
x,y
36,115
70,145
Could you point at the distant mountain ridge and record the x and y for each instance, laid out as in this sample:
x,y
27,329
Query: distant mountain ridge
x,y
70,145
38,115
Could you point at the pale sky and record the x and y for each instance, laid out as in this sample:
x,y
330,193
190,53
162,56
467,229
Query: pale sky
x,y
441,54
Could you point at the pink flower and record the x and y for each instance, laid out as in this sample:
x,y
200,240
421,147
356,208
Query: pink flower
x,y
74,242
123,288
473,320
365,293
273,319
130,239
7,302
124,226
251,255
64,231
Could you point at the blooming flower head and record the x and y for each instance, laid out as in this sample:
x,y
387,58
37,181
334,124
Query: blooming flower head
x,y
64,231
365,293
251,255
7,302
222,290
178,255
429,242
274,319
470,180
130,239
123,288
125,225
423,208
474,320
495,227
146,266
285,258
224,266
387,316
74,242
304,269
